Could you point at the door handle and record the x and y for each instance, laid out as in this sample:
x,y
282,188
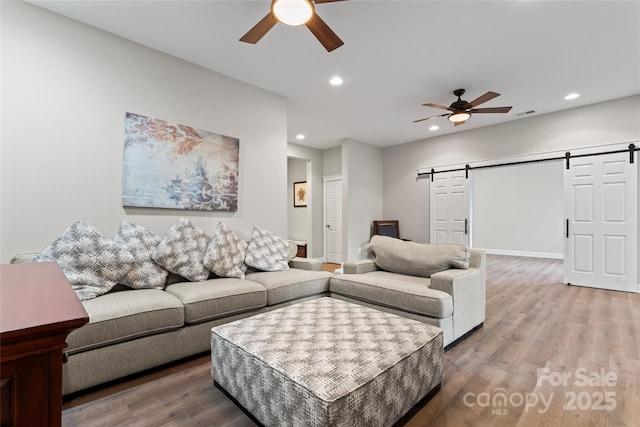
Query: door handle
x,y
567,228
466,226
328,226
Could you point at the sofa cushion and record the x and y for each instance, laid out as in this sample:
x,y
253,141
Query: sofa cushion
x,y
293,250
145,274
407,293
125,315
182,249
217,298
417,259
225,253
267,252
92,263
291,284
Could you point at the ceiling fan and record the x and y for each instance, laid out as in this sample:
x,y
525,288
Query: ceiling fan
x,y
295,12
461,110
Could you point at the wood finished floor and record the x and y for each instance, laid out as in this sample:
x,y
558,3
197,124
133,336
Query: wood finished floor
x,y
533,321
330,267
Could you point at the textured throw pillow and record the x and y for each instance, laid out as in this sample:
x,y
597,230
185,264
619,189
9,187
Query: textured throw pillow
x,y
225,253
267,252
146,274
182,249
417,259
91,262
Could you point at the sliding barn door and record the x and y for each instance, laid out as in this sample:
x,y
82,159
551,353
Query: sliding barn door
x,y
601,196
450,208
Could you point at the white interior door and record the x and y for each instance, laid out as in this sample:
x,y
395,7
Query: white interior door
x,y
601,210
450,208
333,220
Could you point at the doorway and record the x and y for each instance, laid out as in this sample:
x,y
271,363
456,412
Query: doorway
x,y
333,219
589,210
299,218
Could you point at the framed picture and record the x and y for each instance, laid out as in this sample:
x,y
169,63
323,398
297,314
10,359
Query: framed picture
x,y
300,194
170,165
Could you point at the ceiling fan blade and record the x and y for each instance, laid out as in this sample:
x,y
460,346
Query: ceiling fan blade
x,y
459,123
482,99
323,33
258,31
491,110
442,107
429,118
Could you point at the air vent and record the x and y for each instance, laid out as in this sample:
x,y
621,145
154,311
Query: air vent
x,y
526,113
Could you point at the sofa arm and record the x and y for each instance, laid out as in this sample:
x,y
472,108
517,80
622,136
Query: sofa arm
x,y
309,264
468,291
455,280
360,266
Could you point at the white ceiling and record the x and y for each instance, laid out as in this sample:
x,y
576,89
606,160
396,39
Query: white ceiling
x,y
397,55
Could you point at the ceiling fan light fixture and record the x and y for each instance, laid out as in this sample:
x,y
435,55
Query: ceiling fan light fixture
x,y
336,81
292,12
459,117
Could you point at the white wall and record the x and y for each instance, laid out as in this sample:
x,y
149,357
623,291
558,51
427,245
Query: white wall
x,y
298,219
332,161
407,199
315,196
65,90
362,182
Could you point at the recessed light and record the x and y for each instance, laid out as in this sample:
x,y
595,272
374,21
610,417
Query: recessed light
x,y
299,136
572,96
336,81
434,127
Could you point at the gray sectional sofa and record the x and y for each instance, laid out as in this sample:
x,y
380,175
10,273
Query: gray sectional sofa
x,y
442,285
130,330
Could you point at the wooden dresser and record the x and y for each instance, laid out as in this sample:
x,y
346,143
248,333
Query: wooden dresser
x,y
38,309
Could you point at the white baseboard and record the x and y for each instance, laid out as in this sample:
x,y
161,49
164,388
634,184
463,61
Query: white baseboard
x,y
553,255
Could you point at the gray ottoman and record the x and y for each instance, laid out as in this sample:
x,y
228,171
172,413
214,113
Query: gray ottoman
x,y
327,362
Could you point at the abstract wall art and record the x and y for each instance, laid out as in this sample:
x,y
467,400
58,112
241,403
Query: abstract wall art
x,y
169,165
